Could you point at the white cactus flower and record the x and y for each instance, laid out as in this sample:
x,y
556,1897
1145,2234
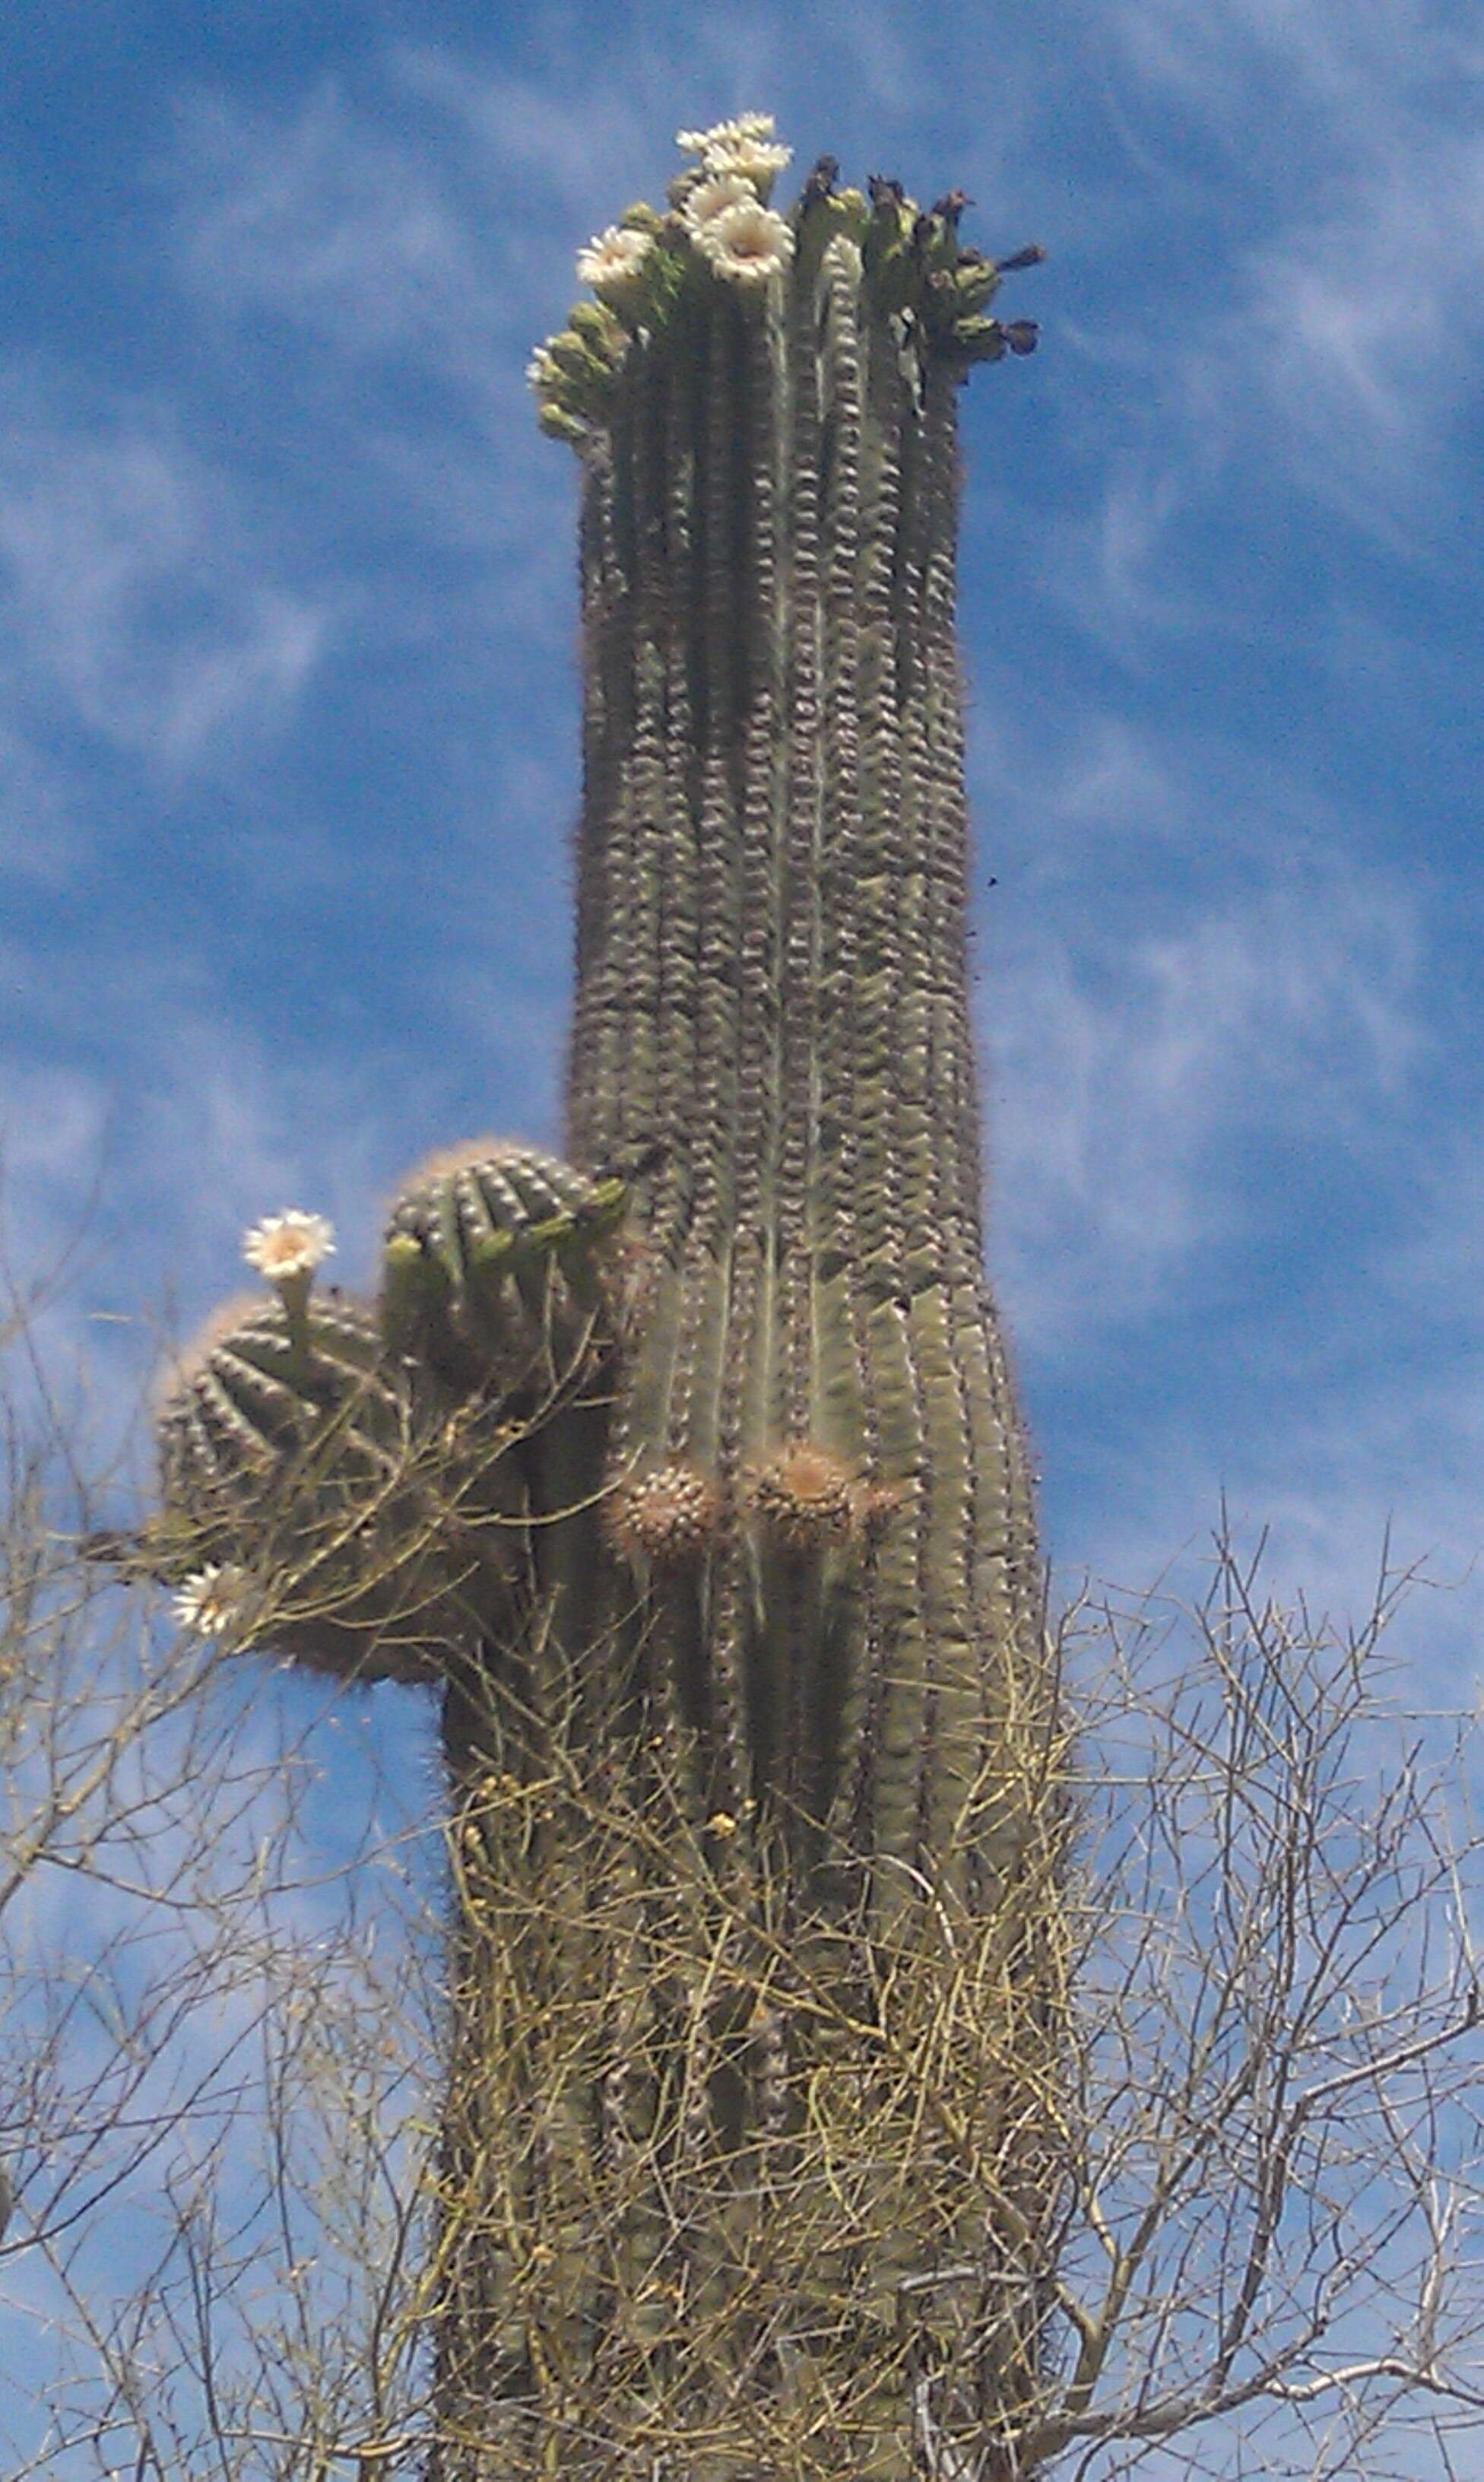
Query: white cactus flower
x,y
210,1602
713,192
290,1244
541,370
725,133
612,259
753,158
747,243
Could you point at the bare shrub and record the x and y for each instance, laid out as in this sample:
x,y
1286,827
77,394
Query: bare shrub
x,y
1166,2161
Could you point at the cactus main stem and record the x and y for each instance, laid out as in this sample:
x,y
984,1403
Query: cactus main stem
x,y
772,985
755,1987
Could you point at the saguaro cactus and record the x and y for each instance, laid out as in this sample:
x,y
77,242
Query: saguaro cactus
x,y
772,983
817,1469
699,1457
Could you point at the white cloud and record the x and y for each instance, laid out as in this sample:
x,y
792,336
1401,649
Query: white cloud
x,y
1348,343
1138,1071
52,1123
554,153
1314,53
129,1182
132,601
1114,778
1438,1263
1365,329
38,836
1339,1487
1267,306
329,221
353,247
434,221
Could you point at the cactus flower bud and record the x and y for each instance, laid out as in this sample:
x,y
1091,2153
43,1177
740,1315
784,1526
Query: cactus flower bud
x,y
979,340
1032,255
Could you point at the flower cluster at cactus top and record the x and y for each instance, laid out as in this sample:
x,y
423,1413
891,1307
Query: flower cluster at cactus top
x,y
725,207
209,1604
720,219
290,1244
739,161
722,227
724,134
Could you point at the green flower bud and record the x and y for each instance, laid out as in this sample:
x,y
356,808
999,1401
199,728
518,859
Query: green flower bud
x,y
886,251
558,423
975,281
598,328
584,374
979,340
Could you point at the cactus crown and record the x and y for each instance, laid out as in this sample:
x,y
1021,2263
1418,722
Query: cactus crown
x,y
722,231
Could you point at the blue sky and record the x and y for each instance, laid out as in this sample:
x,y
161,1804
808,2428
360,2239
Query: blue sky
x,y
288,691
288,698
